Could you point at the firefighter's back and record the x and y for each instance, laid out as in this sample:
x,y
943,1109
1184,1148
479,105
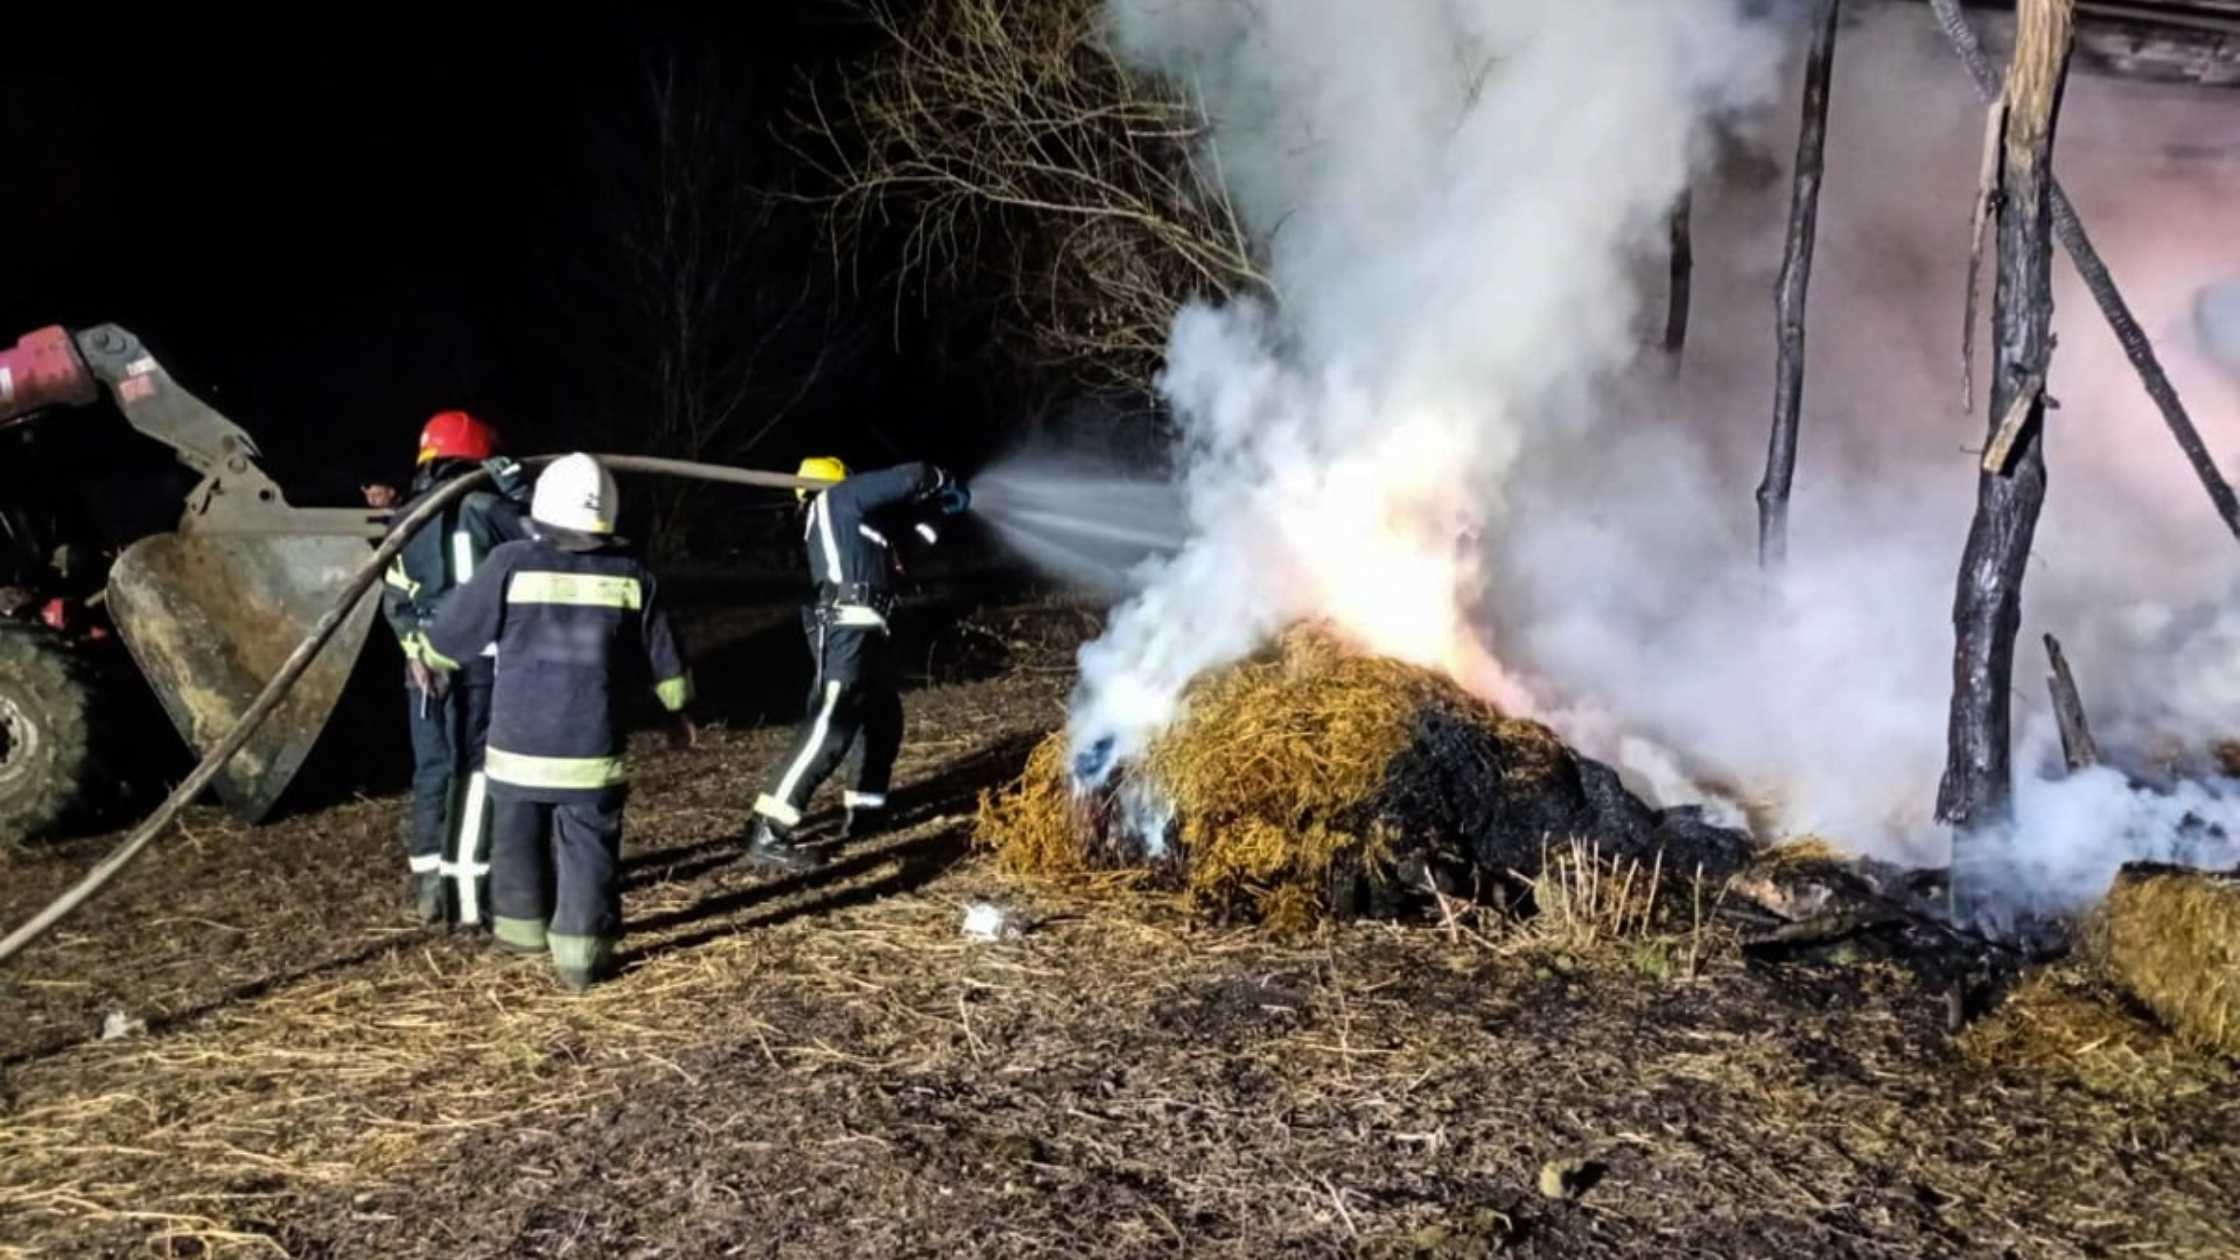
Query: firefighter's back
x,y
569,650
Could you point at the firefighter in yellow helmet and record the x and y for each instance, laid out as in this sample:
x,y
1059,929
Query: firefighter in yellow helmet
x,y
819,468
853,702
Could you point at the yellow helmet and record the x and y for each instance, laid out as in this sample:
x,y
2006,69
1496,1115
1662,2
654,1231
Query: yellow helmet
x,y
821,468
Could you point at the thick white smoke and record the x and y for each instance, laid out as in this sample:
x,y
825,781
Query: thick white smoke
x,y
1449,196
1449,438
2216,314
1628,587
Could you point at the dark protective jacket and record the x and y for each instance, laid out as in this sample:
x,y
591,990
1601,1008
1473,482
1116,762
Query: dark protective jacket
x,y
445,553
851,556
576,625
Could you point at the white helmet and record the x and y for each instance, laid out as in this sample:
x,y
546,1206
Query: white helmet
x,y
577,493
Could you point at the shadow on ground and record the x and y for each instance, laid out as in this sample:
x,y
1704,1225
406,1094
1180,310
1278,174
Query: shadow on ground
x,y
943,800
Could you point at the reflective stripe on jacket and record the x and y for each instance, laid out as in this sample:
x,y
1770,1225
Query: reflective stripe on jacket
x,y
442,557
574,629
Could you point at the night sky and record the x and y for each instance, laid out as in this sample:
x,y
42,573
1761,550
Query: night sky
x,y
332,235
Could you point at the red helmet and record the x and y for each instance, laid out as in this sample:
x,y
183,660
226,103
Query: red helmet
x,y
456,435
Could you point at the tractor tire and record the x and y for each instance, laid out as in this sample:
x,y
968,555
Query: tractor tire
x,y
48,728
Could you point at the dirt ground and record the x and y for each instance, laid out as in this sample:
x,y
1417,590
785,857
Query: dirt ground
x,y
824,1066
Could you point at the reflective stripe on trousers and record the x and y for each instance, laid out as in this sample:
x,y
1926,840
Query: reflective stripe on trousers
x,y
465,869
811,747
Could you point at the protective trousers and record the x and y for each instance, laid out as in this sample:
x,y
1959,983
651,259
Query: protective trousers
x,y
854,710
450,798
555,876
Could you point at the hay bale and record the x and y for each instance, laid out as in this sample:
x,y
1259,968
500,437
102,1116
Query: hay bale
x,y
2170,937
1313,779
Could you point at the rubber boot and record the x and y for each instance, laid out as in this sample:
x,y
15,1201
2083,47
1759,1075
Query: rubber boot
x,y
773,849
424,900
521,938
580,961
863,824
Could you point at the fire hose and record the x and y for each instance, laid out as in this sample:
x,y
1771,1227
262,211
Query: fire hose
x,y
308,650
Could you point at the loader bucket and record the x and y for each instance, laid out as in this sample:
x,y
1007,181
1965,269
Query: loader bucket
x,y
210,619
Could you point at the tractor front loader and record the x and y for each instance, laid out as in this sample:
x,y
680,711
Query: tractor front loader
x,y
208,610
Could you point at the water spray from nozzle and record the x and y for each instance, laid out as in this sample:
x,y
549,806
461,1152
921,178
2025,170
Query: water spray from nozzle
x,y
1083,521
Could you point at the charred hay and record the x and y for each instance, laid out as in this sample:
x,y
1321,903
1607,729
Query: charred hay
x,y
1315,780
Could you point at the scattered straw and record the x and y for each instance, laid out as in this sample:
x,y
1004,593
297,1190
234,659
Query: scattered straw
x,y
1801,851
2064,1024
832,1064
1582,898
2171,938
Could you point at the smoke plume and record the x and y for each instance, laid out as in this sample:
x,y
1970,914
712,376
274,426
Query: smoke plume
x,y
1446,436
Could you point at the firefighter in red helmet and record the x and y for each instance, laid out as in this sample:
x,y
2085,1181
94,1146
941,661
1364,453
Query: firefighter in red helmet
x,y
448,847
456,435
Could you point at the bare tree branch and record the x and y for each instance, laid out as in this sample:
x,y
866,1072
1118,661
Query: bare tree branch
x,y
1790,294
1010,145
721,299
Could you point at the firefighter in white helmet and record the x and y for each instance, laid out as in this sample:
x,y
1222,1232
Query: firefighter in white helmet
x,y
576,619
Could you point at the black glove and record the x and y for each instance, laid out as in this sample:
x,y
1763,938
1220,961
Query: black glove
x,y
947,496
509,477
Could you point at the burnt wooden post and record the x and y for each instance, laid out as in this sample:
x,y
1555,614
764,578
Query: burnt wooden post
x,y
2078,749
1987,199
1683,278
1789,299
2069,228
1977,789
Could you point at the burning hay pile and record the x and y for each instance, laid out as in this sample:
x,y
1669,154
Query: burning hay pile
x,y
1313,780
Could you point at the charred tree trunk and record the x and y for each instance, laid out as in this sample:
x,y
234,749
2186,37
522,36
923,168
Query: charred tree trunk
x,y
2069,229
1789,301
1683,278
2077,747
1977,790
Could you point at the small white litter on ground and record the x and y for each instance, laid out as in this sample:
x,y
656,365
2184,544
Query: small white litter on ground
x,y
987,921
116,1026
